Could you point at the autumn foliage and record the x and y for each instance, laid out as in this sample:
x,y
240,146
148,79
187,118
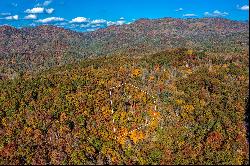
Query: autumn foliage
x,y
63,115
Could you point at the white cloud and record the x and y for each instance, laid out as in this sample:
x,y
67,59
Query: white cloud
x,y
15,17
35,10
122,18
50,10
30,17
95,25
79,20
85,25
206,13
46,3
92,29
189,15
120,22
216,13
245,7
109,23
99,21
51,19
180,9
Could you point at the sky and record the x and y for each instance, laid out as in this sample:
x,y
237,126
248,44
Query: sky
x,y
89,15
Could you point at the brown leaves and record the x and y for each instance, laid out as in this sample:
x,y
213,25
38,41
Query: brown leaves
x,y
215,139
8,150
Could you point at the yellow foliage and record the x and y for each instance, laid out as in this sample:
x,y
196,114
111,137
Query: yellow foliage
x,y
124,132
28,130
181,143
179,101
151,78
167,74
189,52
101,82
136,72
188,107
141,135
144,99
134,136
121,140
225,65
154,123
123,115
4,122
154,114
74,77
106,111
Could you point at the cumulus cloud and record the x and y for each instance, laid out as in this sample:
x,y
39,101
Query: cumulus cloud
x,y
35,10
189,15
79,20
180,9
245,7
15,17
51,19
30,17
215,13
50,10
98,21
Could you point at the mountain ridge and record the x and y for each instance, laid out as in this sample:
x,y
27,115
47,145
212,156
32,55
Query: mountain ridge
x,y
27,49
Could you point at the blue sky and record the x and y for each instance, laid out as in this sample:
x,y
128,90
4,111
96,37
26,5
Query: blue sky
x,y
88,15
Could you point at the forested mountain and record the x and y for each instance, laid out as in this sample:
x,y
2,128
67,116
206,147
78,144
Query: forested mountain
x,y
63,115
165,91
46,46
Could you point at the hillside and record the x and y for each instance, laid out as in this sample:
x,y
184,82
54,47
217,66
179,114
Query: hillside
x,y
64,115
30,49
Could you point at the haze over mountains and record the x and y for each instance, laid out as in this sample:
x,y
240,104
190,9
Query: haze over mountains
x,y
45,46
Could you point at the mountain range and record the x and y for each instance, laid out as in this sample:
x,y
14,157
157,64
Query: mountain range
x,y
29,49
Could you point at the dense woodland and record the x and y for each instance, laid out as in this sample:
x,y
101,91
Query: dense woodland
x,y
63,115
